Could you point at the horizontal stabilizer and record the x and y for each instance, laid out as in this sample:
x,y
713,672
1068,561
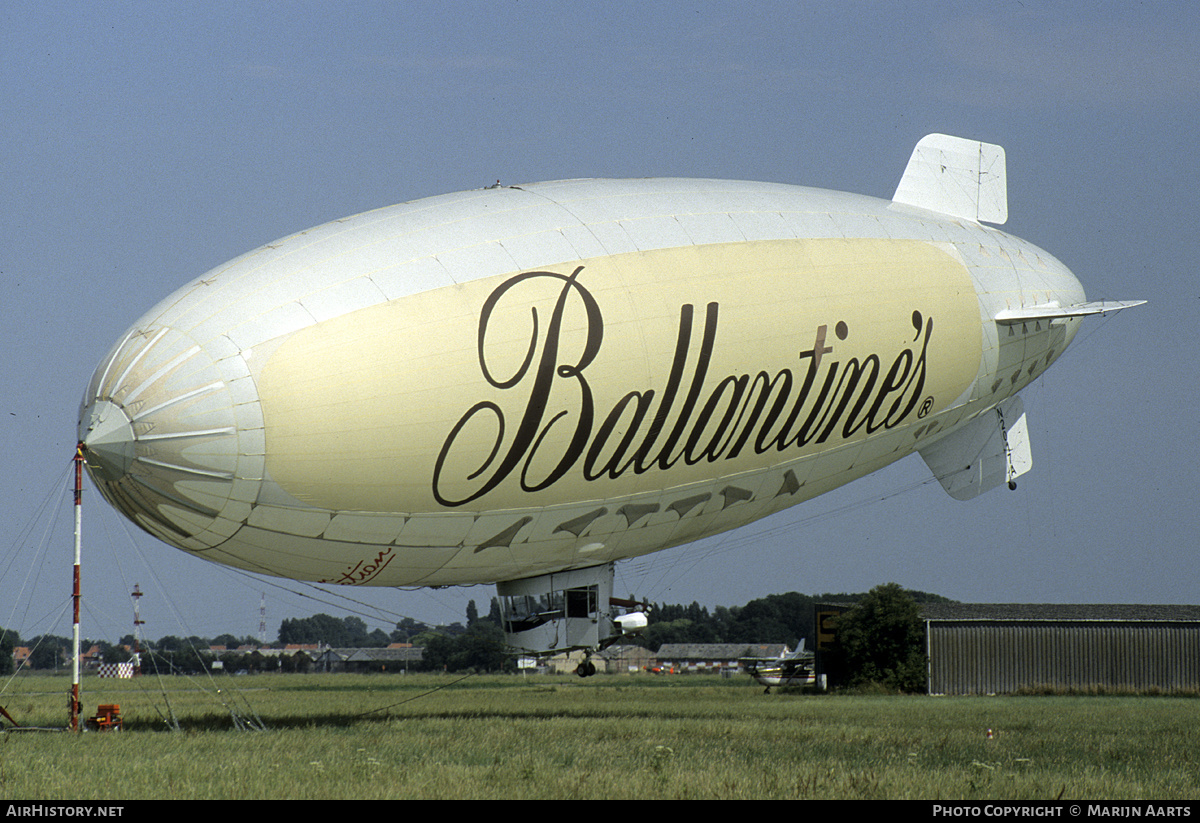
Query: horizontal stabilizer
x,y
958,177
988,451
1049,311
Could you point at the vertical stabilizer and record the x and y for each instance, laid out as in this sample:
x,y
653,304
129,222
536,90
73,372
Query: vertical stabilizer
x,y
958,177
988,451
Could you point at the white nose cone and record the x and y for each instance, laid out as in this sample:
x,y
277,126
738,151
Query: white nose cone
x,y
159,425
110,440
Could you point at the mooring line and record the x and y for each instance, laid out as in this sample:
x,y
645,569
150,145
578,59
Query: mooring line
x,y
415,696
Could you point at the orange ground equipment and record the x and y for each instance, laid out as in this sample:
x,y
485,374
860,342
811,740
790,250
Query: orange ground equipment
x,y
106,719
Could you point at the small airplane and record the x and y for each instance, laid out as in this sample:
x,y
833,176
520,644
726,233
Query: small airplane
x,y
526,384
797,668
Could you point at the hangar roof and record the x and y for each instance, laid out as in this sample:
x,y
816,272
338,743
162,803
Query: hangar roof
x,y
1058,611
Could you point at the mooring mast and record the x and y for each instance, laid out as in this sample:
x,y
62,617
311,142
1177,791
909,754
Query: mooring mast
x,y
138,622
74,699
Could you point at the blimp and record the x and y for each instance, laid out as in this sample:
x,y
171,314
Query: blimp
x,y
525,384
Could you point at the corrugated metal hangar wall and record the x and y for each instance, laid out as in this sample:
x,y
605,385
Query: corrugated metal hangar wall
x,y
996,654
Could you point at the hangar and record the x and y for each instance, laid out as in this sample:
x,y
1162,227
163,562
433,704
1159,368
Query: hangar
x,y
989,648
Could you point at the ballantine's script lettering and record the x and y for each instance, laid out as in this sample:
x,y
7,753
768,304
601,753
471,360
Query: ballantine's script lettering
x,y
691,419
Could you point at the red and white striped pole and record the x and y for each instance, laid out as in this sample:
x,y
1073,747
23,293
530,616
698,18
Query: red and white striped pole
x,y
75,594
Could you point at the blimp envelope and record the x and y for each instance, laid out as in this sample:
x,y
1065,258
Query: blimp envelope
x,y
521,380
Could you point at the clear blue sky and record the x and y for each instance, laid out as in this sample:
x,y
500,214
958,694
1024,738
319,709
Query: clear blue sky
x,y
144,143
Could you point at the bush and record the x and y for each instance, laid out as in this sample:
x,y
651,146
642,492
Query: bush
x,y
881,639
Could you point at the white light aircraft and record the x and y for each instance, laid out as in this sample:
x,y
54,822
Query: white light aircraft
x,y
524,384
797,668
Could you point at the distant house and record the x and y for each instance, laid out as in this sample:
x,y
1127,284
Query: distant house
x,y
397,658
90,659
561,663
613,660
624,659
332,660
390,659
713,658
312,649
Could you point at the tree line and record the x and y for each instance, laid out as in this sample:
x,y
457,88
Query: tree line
x,y
776,618
880,638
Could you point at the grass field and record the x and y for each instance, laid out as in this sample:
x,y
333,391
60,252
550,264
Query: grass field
x,y
426,736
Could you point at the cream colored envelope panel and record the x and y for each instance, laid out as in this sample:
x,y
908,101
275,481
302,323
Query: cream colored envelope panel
x,y
617,375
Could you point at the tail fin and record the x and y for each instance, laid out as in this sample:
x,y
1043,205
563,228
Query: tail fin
x,y
958,177
990,450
